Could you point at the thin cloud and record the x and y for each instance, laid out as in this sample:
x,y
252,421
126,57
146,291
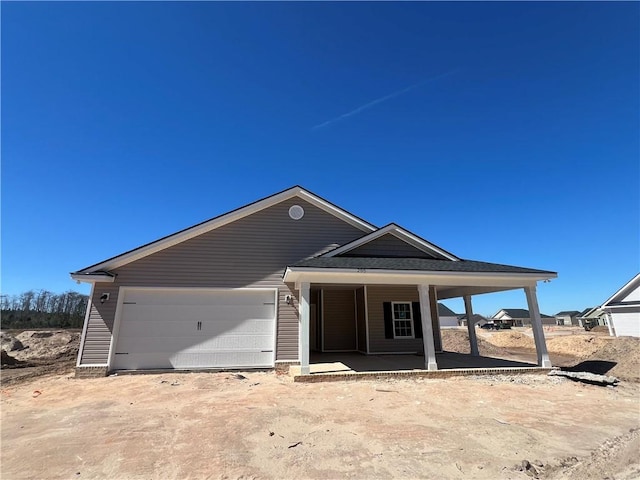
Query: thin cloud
x,y
372,103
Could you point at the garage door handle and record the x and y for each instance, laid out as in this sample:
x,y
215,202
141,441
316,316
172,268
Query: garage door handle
x,y
199,326
266,351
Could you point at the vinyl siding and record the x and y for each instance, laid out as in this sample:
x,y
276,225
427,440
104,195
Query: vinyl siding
x,y
361,320
250,252
387,245
339,320
376,296
101,316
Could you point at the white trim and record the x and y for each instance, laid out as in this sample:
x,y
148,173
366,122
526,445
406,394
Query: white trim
x,y
92,278
275,324
225,219
366,316
430,362
624,287
123,289
116,326
393,320
85,326
401,234
411,277
303,330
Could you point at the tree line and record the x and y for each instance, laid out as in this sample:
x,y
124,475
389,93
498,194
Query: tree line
x,y
43,309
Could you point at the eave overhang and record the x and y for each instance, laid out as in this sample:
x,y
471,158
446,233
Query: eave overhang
x,y
96,277
412,277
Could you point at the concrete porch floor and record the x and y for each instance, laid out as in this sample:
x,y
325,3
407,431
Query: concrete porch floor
x,y
326,366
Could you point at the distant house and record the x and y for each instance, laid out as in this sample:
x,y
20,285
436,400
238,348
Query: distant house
x,y
623,310
567,317
592,315
519,317
448,318
478,320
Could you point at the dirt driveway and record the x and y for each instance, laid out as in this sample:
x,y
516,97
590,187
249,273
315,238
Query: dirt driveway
x,y
216,425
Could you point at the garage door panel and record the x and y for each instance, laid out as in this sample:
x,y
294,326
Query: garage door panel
x,y
195,343
152,313
141,361
171,328
181,297
204,329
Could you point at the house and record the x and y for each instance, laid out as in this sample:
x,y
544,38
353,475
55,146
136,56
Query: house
x,y
446,316
519,317
567,317
623,310
593,316
264,285
477,320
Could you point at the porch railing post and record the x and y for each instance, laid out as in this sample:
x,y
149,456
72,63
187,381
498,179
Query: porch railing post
x,y
536,325
304,328
427,328
471,326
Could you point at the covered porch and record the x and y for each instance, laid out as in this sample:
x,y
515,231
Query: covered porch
x,y
353,366
360,320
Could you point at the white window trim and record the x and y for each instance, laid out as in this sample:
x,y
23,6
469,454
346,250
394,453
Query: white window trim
x,y
393,319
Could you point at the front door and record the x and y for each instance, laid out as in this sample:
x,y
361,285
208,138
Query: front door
x,y
339,320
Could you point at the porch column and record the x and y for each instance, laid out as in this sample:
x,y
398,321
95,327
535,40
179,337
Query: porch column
x,y
303,340
427,328
536,325
471,326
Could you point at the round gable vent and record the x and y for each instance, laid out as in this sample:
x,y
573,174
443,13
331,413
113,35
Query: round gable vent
x,y
296,212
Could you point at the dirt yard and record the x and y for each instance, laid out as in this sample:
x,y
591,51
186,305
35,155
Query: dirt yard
x,y
263,425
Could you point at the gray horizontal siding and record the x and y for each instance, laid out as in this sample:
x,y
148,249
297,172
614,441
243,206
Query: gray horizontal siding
x,y
387,245
250,252
100,325
287,328
376,296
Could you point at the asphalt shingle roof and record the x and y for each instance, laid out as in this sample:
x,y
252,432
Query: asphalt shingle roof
x,y
444,311
520,313
568,312
418,264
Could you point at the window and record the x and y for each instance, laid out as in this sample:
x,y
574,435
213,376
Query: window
x,y
402,320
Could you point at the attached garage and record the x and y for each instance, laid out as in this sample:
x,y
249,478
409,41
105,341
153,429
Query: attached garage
x,y
160,328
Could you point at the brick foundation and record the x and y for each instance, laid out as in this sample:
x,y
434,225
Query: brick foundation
x,y
428,374
91,372
283,367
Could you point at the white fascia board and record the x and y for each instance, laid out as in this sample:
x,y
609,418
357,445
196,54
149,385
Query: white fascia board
x,y
634,281
399,233
225,219
401,277
92,278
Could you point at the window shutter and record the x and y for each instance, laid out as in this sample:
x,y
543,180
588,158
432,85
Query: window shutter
x,y
388,320
417,319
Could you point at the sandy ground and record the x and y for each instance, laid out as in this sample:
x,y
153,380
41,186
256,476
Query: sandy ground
x,y
220,426
262,425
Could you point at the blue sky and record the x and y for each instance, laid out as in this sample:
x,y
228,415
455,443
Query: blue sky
x,y
503,132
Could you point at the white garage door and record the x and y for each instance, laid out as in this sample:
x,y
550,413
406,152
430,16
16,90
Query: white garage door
x,y
164,328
